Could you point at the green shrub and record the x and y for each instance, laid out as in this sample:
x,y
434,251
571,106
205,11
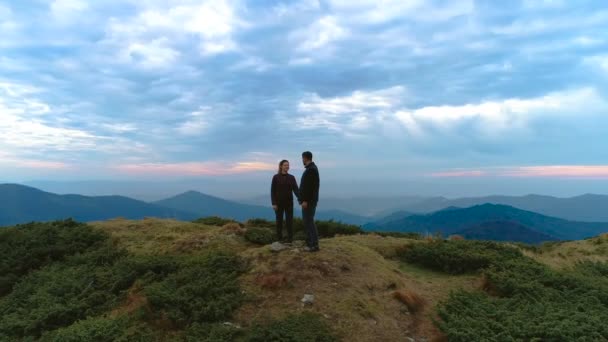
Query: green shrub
x,y
28,247
458,256
204,289
328,229
530,302
204,332
102,329
404,235
214,221
260,223
62,293
304,327
260,236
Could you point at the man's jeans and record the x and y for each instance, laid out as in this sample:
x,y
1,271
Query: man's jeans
x,y
308,216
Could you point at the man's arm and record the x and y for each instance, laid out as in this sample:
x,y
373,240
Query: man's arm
x,y
305,189
294,188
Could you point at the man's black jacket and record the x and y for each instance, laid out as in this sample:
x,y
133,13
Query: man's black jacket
x,y
309,184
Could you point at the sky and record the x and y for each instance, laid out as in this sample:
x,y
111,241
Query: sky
x,y
434,97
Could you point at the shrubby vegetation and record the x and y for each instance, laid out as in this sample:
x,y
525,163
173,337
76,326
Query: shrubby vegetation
x,y
31,246
458,256
404,235
214,221
202,290
523,299
303,327
260,236
66,278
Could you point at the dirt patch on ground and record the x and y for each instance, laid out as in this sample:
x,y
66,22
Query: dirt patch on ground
x,y
353,286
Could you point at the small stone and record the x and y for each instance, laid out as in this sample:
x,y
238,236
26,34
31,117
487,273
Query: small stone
x,y
308,299
409,339
277,247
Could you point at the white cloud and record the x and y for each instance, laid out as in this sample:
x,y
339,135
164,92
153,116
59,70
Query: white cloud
x,y
295,9
30,125
319,34
120,127
378,11
600,62
357,111
67,7
151,54
496,117
197,122
158,26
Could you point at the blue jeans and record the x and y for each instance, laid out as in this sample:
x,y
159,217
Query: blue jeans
x,y
308,216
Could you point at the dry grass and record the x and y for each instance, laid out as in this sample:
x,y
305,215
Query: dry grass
x,y
567,254
272,281
455,237
353,278
414,302
233,228
165,236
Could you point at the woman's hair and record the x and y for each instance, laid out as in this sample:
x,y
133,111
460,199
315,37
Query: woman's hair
x,y
281,164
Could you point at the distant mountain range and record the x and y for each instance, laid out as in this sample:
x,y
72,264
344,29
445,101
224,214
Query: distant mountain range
x,y
21,204
589,207
477,219
504,231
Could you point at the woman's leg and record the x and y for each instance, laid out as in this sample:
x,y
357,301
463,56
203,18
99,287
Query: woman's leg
x,y
289,222
279,220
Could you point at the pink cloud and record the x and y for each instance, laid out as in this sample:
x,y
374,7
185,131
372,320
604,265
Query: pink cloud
x,y
14,162
462,173
546,171
196,168
584,171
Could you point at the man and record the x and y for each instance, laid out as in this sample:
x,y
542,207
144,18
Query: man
x,y
309,197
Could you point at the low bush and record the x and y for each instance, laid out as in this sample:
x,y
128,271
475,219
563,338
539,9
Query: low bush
x,y
28,247
328,229
260,236
528,301
214,221
215,332
260,223
202,290
303,327
103,329
406,235
458,256
78,279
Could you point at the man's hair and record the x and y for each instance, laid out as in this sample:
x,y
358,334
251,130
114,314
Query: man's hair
x,y
307,155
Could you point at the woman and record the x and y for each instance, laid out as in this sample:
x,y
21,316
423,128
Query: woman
x,y
281,193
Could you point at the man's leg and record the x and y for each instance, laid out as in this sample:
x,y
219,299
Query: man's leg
x,y
279,218
306,221
289,222
314,239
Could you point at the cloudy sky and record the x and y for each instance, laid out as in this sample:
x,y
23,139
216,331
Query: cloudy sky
x,y
487,95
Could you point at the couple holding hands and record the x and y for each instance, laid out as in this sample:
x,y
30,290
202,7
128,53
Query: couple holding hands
x,y
283,187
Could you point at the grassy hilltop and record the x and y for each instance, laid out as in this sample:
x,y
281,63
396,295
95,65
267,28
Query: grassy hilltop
x,y
217,280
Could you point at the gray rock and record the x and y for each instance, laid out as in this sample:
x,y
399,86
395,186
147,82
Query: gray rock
x,y
308,299
277,247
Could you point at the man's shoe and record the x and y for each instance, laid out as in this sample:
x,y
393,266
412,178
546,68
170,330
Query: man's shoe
x,y
311,249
